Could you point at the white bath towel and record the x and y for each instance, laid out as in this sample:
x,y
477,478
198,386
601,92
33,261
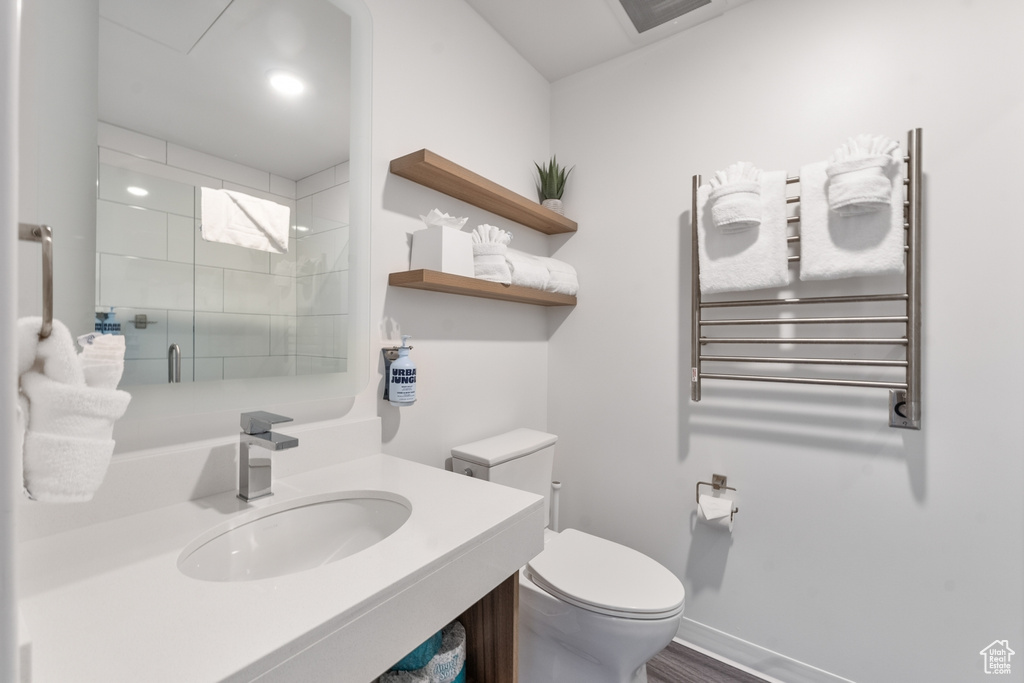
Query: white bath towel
x,y
751,259
67,426
526,269
243,220
736,197
833,246
562,278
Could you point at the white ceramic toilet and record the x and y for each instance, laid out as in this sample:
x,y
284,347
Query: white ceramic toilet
x,y
590,610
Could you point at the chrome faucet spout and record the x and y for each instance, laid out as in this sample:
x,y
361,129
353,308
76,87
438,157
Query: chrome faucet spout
x,y
255,471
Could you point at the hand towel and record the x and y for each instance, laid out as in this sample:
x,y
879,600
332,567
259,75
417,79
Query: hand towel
x,y
526,270
736,197
490,245
858,175
751,259
833,246
562,278
243,220
67,442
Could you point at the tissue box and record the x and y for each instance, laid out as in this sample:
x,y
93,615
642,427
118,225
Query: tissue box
x,y
442,248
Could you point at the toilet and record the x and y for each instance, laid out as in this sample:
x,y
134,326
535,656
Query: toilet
x,y
590,610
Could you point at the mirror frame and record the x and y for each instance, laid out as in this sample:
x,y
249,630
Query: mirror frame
x,y
167,414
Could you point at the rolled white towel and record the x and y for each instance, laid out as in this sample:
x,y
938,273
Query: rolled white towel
x,y
490,245
562,278
102,359
858,175
735,197
526,269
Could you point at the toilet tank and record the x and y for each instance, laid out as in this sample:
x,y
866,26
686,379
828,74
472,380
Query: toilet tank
x,y
522,459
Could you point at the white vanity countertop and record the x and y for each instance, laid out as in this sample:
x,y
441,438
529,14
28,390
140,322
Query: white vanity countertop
x,y
108,603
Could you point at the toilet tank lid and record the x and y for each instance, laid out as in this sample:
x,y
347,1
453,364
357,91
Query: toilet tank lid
x,y
504,447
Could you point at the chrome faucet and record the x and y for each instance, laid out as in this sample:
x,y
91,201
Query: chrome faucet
x,y
254,471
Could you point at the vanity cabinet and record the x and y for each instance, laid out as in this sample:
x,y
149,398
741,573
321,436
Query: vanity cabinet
x,y
492,635
436,172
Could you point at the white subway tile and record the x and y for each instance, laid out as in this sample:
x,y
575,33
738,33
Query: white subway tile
x,y
150,342
209,289
182,233
231,334
315,183
164,194
315,335
324,252
325,294
130,231
129,142
145,283
179,331
283,331
283,186
258,293
128,162
207,164
221,255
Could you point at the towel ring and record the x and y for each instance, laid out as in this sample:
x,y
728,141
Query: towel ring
x,y
44,235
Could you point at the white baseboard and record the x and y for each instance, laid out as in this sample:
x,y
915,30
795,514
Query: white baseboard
x,y
753,659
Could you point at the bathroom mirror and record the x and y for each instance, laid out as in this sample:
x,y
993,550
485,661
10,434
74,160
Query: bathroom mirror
x,y
185,102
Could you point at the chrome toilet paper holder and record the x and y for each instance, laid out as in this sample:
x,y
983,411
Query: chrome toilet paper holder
x,y
718,482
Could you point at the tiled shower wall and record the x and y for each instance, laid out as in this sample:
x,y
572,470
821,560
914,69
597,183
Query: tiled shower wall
x,y
234,312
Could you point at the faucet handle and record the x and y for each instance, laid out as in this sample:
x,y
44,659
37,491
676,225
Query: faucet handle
x,y
259,421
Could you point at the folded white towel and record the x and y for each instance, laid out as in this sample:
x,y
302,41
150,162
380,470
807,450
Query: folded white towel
x,y
750,259
858,175
243,220
526,270
736,197
67,425
833,246
562,278
490,245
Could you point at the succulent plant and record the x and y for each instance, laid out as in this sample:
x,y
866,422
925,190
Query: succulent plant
x,y
551,179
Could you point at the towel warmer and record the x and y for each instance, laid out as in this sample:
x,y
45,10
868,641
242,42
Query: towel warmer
x,y
905,396
44,235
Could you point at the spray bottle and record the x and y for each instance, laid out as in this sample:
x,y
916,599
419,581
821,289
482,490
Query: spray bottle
x,y
402,377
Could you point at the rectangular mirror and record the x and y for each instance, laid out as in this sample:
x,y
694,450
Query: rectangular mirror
x,y
185,102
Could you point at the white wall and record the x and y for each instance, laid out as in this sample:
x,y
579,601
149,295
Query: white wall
x,y
874,554
444,80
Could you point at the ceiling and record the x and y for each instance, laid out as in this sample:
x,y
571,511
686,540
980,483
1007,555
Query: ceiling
x,y
193,72
562,37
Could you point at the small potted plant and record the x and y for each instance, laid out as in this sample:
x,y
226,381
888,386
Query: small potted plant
x,y
551,184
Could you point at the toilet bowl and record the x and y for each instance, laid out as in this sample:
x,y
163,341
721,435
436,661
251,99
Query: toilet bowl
x,y
590,610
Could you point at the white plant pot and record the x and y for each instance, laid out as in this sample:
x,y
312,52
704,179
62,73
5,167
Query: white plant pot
x,y
553,205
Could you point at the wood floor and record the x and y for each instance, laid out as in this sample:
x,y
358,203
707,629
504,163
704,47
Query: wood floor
x,y
679,664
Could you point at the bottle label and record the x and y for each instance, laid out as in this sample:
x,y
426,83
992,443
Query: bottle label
x,y
403,385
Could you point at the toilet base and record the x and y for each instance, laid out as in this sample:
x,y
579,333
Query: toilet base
x,y
564,643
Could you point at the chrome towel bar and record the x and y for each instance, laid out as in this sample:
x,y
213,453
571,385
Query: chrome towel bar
x,y
905,396
44,235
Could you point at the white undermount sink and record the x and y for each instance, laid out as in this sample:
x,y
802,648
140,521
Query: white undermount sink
x,y
301,534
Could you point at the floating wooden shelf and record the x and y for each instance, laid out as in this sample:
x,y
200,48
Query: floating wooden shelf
x,y
436,281
436,172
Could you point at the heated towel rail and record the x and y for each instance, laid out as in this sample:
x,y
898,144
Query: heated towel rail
x,y
905,396
44,235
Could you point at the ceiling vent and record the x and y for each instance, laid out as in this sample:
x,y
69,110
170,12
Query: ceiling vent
x,y
647,14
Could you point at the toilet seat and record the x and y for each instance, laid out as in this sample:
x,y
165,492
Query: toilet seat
x,y
598,575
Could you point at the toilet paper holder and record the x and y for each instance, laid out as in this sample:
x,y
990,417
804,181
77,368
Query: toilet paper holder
x,y
718,483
